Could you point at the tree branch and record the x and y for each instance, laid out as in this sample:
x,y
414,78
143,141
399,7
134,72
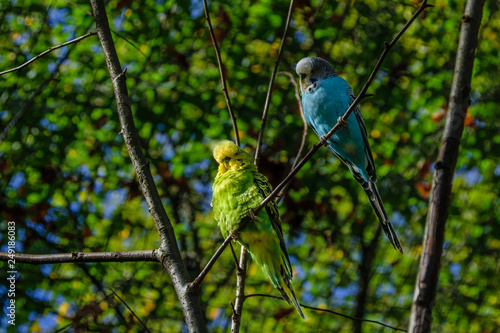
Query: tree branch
x,y
361,95
59,258
241,272
331,311
128,307
76,6
240,291
222,77
196,283
269,90
76,40
168,254
28,104
439,203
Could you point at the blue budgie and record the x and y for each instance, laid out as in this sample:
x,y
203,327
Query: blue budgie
x,y
325,98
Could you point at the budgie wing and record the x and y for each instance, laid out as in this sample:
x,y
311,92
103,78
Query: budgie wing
x,y
265,189
369,164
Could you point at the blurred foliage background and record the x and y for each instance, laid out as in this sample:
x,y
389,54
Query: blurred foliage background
x,y
67,181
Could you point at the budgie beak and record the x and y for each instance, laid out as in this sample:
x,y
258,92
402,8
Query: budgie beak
x,y
222,169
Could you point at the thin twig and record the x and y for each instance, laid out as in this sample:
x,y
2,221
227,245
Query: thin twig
x,y
304,129
331,311
37,93
113,31
361,95
59,258
133,45
48,51
222,77
197,281
75,5
269,90
128,307
234,256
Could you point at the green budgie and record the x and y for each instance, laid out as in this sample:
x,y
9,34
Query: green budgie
x,y
237,190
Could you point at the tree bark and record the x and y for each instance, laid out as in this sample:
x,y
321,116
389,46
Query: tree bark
x,y
428,274
240,292
59,258
168,254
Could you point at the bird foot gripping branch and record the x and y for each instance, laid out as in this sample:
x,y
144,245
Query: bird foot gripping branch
x,y
341,122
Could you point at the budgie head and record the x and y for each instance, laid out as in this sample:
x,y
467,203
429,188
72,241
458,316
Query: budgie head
x,y
312,69
231,157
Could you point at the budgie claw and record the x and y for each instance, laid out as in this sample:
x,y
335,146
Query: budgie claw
x,y
342,122
252,216
234,235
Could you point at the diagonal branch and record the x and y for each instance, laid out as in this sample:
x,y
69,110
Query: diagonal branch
x,y
30,102
168,253
196,283
128,307
269,90
331,311
76,6
361,95
59,258
76,40
222,77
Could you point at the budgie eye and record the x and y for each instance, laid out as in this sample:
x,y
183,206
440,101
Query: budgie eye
x,y
227,159
302,76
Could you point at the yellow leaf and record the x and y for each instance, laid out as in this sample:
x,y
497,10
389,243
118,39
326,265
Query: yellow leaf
x,y
124,233
35,327
63,308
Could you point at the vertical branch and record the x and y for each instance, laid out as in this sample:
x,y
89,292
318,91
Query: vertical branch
x,y
169,254
430,261
241,273
222,77
269,90
240,291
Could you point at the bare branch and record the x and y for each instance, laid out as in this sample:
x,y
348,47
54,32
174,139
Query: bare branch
x,y
240,291
28,104
128,307
222,77
361,95
439,202
269,90
196,283
59,258
76,40
332,312
234,256
168,254
75,5
305,128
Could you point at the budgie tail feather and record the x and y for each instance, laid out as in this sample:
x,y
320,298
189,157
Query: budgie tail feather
x,y
377,205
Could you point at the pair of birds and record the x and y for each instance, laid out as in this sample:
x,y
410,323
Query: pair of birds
x,y
239,188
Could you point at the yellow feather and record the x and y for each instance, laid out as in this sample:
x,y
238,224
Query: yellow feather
x,y
225,149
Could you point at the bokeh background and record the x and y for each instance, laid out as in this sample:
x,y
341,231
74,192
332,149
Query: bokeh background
x,y
67,181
